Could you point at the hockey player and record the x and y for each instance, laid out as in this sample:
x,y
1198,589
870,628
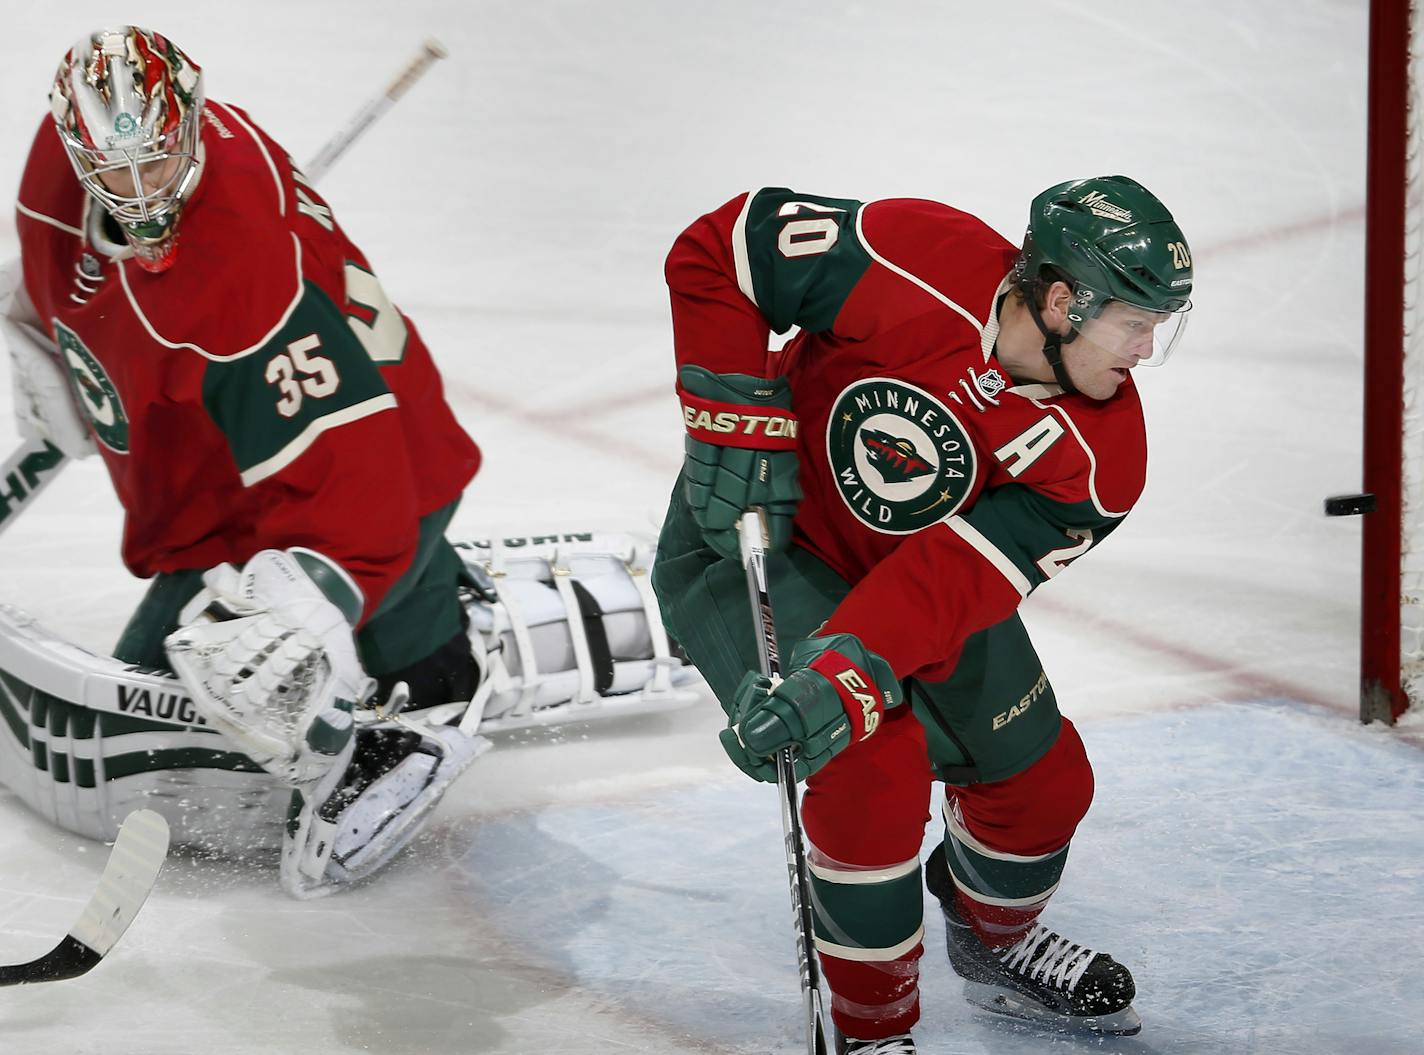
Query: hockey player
x,y
278,436
954,425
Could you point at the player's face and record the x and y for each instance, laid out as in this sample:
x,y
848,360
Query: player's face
x,y
153,177
1110,345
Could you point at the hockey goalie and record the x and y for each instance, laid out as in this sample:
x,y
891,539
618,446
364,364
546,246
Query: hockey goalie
x,y
314,662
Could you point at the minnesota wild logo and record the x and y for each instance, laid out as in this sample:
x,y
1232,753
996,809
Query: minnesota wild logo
x,y
893,457
901,459
94,391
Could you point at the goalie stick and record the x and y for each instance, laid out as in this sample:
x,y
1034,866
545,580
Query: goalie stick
x,y
36,462
30,468
129,875
753,545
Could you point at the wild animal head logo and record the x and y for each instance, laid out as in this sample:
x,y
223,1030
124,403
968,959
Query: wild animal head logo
x,y
94,391
893,457
900,457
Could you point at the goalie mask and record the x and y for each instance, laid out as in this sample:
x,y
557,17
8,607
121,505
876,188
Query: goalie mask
x,y
128,105
1124,258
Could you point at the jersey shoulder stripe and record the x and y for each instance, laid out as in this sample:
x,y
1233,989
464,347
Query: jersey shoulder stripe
x,y
1107,462
914,279
240,118
311,376
930,262
309,435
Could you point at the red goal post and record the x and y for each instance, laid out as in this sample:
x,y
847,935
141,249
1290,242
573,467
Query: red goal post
x,y
1392,559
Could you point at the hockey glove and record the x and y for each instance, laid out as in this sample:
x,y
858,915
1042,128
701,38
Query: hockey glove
x,y
740,453
269,657
836,693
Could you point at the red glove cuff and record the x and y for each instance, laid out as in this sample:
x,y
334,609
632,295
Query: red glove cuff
x,y
745,425
864,704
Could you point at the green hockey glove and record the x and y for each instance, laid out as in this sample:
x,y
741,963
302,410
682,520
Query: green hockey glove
x,y
835,693
740,453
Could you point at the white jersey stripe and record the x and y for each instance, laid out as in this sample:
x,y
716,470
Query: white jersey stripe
x,y
990,334
42,218
962,834
863,876
281,194
915,279
292,451
261,342
1092,458
846,952
1003,902
991,553
739,251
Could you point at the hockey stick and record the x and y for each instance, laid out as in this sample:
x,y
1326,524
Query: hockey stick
x,y
753,545
29,470
430,51
129,875
36,462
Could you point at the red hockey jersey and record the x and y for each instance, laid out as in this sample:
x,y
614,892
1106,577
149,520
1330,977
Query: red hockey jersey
x,y
263,392
942,490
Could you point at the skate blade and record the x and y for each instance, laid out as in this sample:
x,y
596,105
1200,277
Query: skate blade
x,y
1124,1023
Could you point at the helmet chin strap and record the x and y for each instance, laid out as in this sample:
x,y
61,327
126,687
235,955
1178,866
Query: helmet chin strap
x,y
1053,347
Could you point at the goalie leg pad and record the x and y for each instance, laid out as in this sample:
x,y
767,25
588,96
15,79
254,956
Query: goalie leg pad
x,y
567,629
349,827
87,739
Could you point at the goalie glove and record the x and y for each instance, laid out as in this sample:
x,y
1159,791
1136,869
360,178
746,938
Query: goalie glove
x,y
270,660
740,452
835,694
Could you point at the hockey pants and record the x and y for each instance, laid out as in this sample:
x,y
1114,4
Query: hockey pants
x,y
419,616
1017,780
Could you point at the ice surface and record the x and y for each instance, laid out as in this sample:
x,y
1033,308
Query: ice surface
x,y
1252,854
1230,863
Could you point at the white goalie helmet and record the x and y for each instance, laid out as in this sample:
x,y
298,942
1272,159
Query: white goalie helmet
x,y
128,105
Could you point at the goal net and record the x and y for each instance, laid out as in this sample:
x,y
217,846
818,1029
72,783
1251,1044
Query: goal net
x,y
1392,599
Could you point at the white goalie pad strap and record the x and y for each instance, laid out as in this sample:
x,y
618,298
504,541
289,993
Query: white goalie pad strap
x,y
546,660
667,666
578,631
329,848
517,624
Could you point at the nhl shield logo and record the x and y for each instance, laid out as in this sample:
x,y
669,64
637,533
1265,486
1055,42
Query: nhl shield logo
x,y
94,391
902,460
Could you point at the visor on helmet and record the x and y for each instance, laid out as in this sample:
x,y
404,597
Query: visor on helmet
x,y
1126,329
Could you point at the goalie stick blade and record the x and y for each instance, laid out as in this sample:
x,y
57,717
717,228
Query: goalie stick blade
x,y
129,875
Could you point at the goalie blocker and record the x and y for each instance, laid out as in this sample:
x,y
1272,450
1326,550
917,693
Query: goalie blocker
x,y
565,629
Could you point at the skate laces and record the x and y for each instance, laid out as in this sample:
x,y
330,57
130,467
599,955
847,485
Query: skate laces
x,y
1047,957
900,1044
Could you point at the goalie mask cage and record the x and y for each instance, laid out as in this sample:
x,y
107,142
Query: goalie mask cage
x,y
1392,558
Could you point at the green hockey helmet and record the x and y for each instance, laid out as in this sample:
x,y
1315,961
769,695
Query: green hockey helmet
x,y
1115,244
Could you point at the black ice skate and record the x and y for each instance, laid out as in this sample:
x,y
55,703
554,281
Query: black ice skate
x,y
1042,978
900,1044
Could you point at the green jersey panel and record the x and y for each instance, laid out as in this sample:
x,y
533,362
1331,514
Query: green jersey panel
x,y
312,375
802,255
1039,535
